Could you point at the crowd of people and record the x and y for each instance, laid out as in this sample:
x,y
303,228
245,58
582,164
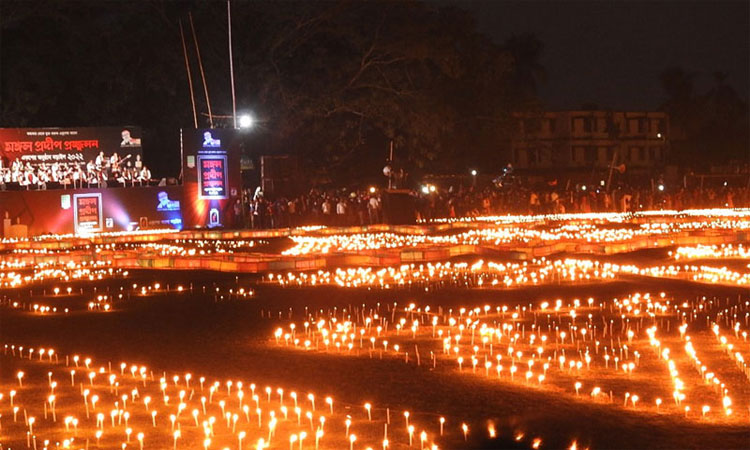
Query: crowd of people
x,y
525,200
364,207
317,207
103,171
344,207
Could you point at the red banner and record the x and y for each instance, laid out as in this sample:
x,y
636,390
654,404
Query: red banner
x,y
213,176
37,146
88,212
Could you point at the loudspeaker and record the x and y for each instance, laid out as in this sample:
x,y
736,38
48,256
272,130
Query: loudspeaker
x,y
399,207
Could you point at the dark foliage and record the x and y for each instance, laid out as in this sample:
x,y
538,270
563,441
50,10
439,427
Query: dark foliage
x,y
332,82
707,127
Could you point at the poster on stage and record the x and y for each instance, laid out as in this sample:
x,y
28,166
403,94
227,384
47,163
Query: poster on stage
x,y
87,212
212,176
75,145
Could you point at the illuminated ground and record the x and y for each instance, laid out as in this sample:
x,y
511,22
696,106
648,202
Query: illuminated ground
x,y
231,336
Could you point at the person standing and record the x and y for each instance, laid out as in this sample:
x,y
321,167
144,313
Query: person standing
x,y
237,209
325,207
341,212
534,203
373,206
291,208
362,210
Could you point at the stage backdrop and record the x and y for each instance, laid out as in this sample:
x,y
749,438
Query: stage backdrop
x,y
211,176
211,184
66,211
67,145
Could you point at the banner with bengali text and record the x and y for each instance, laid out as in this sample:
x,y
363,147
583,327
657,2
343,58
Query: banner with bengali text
x,y
88,212
38,146
213,176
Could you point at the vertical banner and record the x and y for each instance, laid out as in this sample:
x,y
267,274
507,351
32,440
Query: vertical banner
x,y
87,212
211,175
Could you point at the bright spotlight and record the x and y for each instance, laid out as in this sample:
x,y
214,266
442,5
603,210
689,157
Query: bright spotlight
x,y
246,121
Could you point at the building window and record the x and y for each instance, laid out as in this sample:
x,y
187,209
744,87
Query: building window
x,y
634,154
602,155
660,126
633,126
601,125
578,125
587,124
590,154
533,157
578,154
533,125
655,126
544,156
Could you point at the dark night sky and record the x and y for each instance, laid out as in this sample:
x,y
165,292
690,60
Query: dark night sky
x,y
611,53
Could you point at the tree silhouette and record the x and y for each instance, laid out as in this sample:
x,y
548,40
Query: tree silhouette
x,y
708,127
528,73
331,82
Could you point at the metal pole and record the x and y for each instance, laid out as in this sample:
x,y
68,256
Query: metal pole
x,y
182,159
611,168
231,63
203,75
393,167
190,77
